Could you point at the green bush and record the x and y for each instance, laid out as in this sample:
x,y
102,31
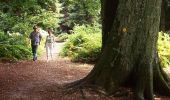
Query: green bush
x,y
14,47
87,29
14,52
3,38
84,45
63,36
164,49
14,39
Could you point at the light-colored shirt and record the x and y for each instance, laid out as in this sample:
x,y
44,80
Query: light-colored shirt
x,y
50,39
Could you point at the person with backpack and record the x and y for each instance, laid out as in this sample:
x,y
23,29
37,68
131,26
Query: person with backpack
x,y
49,44
35,37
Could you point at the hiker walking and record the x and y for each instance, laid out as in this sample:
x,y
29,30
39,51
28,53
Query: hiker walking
x,y
49,44
35,37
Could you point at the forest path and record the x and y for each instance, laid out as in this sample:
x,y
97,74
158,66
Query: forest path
x,y
41,80
29,80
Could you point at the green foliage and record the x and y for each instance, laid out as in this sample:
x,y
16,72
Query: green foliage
x,y
17,46
14,52
41,46
17,19
20,16
87,29
14,47
80,12
84,45
3,38
51,5
164,49
14,39
63,36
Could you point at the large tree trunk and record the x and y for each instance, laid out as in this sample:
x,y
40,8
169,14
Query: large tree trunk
x,y
165,16
129,53
108,12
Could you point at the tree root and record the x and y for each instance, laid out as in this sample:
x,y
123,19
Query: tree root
x,y
73,84
162,86
80,86
83,95
165,76
162,80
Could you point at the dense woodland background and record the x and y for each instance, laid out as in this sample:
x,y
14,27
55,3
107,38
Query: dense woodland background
x,y
80,21
63,16
87,28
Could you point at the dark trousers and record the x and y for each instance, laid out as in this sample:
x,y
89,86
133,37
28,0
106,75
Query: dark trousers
x,y
34,51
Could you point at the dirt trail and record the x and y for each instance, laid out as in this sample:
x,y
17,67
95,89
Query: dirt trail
x,y
28,80
41,80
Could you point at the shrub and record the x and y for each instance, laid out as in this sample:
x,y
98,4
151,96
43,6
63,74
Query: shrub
x,y
84,45
164,49
63,36
87,29
14,47
3,38
14,52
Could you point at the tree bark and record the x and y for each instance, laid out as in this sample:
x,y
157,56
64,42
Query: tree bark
x,y
129,54
167,19
165,16
108,13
